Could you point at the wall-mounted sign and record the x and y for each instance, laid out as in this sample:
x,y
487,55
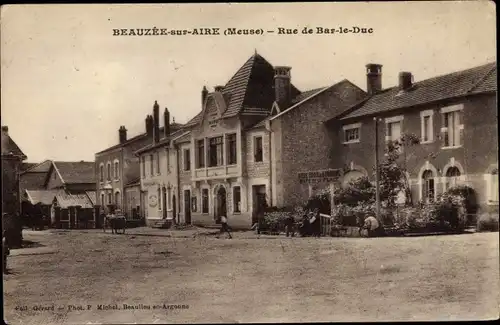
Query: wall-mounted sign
x,y
320,176
150,183
153,200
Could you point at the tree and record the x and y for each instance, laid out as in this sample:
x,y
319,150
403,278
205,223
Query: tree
x,y
393,169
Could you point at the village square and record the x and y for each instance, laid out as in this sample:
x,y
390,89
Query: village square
x,y
347,201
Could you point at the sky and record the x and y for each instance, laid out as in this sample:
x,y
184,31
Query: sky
x,y
67,84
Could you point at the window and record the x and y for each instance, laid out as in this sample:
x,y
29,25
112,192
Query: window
x,y
231,149
428,189
109,172
117,199
116,169
236,199
151,164
493,190
393,131
110,198
426,127
101,173
452,177
143,158
352,133
201,153
452,129
103,200
193,204
158,163
204,200
187,159
258,153
169,201
215,152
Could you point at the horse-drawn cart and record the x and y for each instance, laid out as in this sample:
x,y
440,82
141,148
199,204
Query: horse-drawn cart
x,y
116,222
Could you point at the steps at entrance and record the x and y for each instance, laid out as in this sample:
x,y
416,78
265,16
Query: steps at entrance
x,y
162,223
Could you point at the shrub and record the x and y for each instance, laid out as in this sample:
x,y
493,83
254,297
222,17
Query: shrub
x,y
359,190
447,212
487,222
469,196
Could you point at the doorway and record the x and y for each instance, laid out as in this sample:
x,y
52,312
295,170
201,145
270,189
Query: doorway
x,y
187,206
259,201
220,208
174,209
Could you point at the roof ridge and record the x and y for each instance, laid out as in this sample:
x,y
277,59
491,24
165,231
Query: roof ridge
x,y
492,69
452,73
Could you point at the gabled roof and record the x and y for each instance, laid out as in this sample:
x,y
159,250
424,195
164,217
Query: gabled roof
x,y
92,195
476,80
32,181
82,172
65,200
25,166
346,91
44,197
251,87
43,167
9,147
173,127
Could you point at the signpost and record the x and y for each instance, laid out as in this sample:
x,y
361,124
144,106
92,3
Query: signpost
x,y
330,176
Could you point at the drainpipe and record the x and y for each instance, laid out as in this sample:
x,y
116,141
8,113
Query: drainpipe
x,y
268,129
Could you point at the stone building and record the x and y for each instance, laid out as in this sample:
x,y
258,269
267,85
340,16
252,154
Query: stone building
x,y
117,167
455,117
12,159
244,149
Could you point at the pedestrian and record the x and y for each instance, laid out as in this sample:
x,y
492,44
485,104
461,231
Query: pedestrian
x,y
289,226
5,250
224,227
372,226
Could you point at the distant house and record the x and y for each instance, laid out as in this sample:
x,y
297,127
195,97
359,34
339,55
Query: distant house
x,y
63,190
117,167
12,158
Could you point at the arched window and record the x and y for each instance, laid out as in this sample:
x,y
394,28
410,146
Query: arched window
x,y
117,199
428,187
101,173
109,172
452,177
103,200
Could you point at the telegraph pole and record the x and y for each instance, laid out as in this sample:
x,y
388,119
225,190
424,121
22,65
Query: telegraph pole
x,y
377,171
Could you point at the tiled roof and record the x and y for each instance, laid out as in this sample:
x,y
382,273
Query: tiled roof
x,y
173,127
43,167
92,195
32,181
305,94
457,84
345,90
252,86
9,147
45,197
76,172
26,166
162,142
65,200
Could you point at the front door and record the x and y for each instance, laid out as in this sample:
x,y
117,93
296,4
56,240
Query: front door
x,y
187,206
259,201
221,208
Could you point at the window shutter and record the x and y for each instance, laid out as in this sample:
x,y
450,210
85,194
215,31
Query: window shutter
x,y
444,130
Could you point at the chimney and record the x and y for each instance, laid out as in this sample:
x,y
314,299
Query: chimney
x,y
156,120
405,80
219,88
166,121
373,78
149,125
282,86
122,134
204,94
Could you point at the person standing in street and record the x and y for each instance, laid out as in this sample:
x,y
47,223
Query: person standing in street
x,y
224,227
5,251
372,225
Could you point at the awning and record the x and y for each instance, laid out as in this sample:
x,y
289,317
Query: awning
x,y
44,197
65,201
